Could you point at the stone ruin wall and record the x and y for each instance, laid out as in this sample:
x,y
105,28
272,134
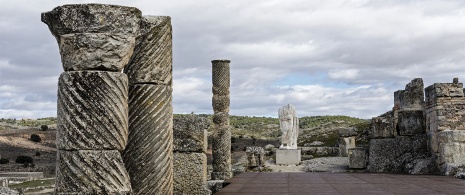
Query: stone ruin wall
x,y
445,122
418,136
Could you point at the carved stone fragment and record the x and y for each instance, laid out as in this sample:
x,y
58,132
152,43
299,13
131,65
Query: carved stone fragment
x,y
96,51
92,110
148,155
152,59
189,133
91,172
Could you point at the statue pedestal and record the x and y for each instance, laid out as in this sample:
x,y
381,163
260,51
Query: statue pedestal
x,y
287,157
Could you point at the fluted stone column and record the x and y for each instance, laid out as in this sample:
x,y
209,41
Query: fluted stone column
x,y
149,154
221,143
96,42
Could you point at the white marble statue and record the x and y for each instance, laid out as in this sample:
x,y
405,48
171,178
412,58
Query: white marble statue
x,y
289,125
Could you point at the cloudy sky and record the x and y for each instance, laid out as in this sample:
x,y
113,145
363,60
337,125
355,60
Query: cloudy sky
x,y
324,57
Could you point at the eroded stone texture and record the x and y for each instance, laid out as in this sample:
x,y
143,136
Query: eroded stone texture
x,y
95,51
189,133
345,144
152,59
382,126
347,132
190,176
92,18
413,96
411,122
149,153
255,156
92,111
357,158
91,172
221,142
220,77
445,121
395,155
289,126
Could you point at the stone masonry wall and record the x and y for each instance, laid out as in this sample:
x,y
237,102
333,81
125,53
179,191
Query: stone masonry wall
x,y
445,122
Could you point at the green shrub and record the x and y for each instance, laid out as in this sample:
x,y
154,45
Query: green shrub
x,y
35,138
44,127
4,161
24,159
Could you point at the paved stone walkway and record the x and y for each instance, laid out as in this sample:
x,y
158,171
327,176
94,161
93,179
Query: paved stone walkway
x,y
341,183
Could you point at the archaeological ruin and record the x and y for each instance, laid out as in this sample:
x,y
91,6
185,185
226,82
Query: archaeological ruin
x,y
116,133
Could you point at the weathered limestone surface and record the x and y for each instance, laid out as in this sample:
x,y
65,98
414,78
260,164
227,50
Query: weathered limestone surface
x,y
255,156
288,157
92,111
221,142
413,96
93,18
357,158
148,155
189,133
348,132
91,172
289,126
445,121
95,51
382,126
152,58
345,144
190,175
411,122
396,155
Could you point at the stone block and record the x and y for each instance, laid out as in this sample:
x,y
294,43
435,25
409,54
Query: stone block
x,y
190,173
452,153
288,157
345,143
221,119
347,132
395,154
438,90
255,156
221,103
413,95
152,60
96,51
221,175
451,136
382,127
149,153
91,172
92,110
220,77
215,185
357,158
92,18
189,133
411,122
433,142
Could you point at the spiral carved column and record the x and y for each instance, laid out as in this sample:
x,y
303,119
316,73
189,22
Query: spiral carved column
x,y
149,154
221,143
96,42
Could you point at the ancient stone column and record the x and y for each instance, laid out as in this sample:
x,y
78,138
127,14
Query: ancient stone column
x,y
149,154
96,42
221,143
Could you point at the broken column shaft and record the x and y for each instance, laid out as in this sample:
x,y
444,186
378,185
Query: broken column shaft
x,y
149,154
95,42
221,143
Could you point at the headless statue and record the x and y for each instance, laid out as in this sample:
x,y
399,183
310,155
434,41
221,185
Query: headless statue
x,y
289,125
